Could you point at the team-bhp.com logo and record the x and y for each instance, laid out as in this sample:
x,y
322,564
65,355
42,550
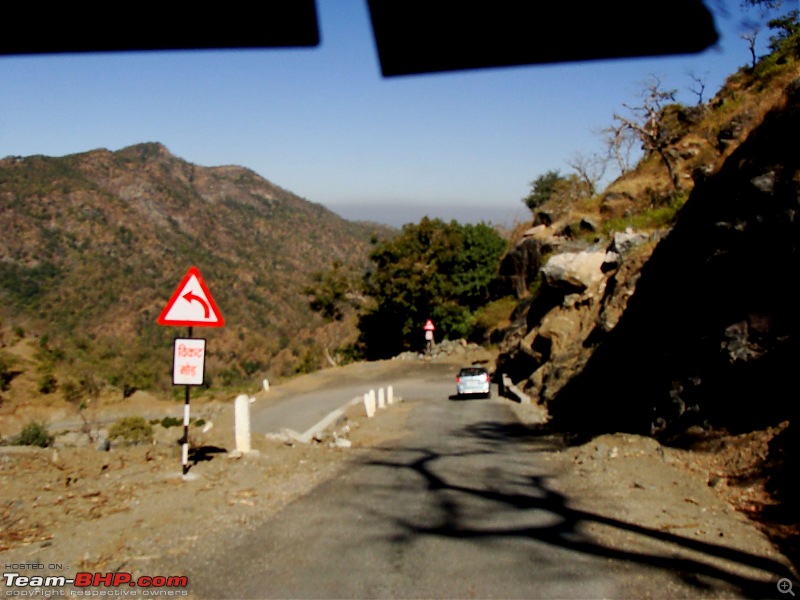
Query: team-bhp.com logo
x,y
88,584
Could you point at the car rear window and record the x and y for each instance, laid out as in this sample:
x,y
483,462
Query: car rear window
x,y
471,372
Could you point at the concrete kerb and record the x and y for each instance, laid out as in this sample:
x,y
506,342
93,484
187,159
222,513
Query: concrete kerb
x,y
513,392
526,411
333,416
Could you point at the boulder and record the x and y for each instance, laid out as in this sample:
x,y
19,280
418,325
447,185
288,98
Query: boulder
x,y
617,204
622,243
575,270
519,267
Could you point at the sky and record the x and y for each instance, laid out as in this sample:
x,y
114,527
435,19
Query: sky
x,y
324,124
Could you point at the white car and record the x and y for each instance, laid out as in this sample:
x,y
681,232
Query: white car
x,y
474,380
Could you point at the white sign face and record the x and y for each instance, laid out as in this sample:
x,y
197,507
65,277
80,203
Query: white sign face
x,y
188,361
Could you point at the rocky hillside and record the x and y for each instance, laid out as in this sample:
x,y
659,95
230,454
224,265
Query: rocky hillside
x,y
709,332
678,318
94,244
670,312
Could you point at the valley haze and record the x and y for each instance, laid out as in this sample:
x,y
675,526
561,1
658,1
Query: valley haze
x,y
399,214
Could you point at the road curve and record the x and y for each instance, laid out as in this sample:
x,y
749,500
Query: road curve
x,y
464,506
299,410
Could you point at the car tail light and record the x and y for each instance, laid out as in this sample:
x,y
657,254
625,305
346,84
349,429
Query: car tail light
x,y
485,377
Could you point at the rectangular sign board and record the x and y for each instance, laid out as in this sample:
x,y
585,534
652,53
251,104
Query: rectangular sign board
x,y
188,361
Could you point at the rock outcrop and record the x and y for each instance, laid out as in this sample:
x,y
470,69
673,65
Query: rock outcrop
x,y
582,295
654,334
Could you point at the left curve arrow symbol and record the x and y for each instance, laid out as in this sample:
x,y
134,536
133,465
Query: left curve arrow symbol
x,y
189,296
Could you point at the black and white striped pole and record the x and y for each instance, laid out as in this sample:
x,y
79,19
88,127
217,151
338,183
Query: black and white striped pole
x,y
186,418
191,305
188,369
185,448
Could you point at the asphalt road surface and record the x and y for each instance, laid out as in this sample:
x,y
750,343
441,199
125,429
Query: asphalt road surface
x,y
300,411
462,507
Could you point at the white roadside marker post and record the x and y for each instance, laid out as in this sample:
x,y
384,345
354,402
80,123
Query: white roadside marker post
x,y
242,423
369,405
381,399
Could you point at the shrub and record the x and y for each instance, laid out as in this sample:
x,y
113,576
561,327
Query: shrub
x,y
308,363
47,383
6,373
132,430
496,313
168,422
34,434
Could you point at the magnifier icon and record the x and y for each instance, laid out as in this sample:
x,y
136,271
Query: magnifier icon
x,y
785,586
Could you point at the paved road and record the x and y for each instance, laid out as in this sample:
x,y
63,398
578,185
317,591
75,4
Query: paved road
x,y
463,507
301,411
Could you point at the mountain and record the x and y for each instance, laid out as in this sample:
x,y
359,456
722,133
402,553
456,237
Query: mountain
x,y
94,244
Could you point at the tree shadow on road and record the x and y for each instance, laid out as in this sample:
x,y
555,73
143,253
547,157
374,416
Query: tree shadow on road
x,y
508,484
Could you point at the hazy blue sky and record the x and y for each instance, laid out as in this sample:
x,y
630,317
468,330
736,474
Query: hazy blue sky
x,y
324,124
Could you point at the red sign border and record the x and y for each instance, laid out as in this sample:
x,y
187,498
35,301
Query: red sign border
x,y
176,294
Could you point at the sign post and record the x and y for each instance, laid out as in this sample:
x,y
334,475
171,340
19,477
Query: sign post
x,y
191,305
428,328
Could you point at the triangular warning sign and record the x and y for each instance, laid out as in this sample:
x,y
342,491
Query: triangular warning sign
x,y
191,304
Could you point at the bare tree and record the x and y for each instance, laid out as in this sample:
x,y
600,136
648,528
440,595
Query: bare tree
x,y
750,38
698,88
590,169
84,395
647,123
619,144
764,5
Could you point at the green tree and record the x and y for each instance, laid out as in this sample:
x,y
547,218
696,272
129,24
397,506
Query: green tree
x,y
558,191
334,291
542,189
432,270
786,29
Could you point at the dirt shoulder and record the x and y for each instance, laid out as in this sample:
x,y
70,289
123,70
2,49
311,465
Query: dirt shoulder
x,y
713,490
91,510
129,509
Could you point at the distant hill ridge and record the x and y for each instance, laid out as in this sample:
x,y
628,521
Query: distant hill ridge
x,y
94,243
